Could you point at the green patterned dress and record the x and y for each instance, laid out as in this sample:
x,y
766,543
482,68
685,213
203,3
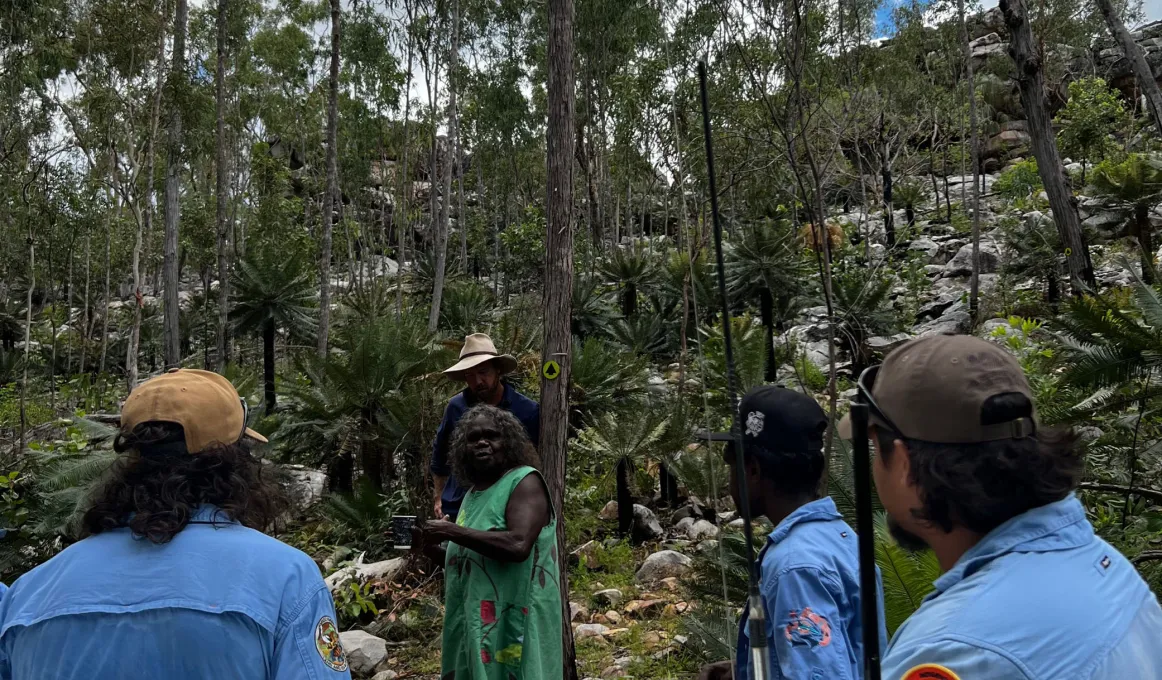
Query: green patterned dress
x,y
502,620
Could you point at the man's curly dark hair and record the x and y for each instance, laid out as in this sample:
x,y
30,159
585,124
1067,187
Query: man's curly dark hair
x,y
156,485
981,486
517,449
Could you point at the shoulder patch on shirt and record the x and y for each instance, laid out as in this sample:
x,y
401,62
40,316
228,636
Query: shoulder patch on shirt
x,y
807,628
930,671
327,642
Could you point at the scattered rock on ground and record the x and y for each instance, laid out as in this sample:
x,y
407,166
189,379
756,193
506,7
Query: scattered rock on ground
x,y
610,596
589,630
613,617
701,530
661,565
961,262
578,611
304,485
645,524
609,512
364,650
684,524
385,675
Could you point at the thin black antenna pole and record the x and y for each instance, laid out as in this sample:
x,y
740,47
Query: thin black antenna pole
x,y
868,590
760,660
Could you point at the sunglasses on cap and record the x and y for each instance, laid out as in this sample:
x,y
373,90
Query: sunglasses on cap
x,y
864,385
245,417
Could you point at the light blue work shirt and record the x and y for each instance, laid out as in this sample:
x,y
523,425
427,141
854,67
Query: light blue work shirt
x,y
810,587
220,601
1039,598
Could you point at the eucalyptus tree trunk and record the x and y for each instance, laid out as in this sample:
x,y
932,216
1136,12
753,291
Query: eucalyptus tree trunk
x,y
1142,70
449,159
886,174
1031,82
461,223
974,294
144,225
177,84
85,323
221,171
400,211
558,295
105,311
332,190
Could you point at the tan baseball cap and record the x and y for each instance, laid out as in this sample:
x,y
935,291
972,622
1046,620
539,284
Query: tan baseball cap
x,y
205,404
932,389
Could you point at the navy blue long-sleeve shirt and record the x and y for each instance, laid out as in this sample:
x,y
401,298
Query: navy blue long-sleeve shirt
x,y
527,411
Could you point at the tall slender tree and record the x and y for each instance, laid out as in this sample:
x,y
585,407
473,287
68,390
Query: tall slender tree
x,y
974,293
221,172
177,89
331,197
145,223
449,160
1031,82
558,292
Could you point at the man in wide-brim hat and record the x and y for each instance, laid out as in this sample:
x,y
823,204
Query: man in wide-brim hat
x,y
482,369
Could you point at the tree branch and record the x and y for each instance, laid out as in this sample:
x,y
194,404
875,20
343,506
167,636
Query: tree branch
x,y
1148,494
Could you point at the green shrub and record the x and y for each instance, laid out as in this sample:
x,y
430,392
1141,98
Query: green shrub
x,y
1020,182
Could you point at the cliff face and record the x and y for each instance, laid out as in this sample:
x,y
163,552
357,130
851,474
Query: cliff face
x,y
1113,62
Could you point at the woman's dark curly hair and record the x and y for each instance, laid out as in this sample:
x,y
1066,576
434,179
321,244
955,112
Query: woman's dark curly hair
x,y
517,449
156,486
981,486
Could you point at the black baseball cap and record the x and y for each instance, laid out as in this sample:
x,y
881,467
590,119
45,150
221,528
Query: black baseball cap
x,y
777,419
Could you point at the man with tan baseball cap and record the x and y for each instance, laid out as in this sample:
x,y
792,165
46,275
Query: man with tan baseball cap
x,y
963,467
482,369
174,578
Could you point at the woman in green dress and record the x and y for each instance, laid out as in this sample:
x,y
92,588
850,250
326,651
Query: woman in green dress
x,y
502,617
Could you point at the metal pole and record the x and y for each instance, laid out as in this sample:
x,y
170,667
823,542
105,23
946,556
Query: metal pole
x,y
756,618
868,590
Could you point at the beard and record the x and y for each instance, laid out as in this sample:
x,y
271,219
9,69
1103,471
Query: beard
x,y
907,540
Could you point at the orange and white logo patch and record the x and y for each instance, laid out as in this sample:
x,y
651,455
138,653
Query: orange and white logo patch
x,y
930,671
328,645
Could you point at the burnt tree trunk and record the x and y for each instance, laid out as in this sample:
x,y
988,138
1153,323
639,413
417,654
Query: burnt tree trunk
x,y
268,365
1143,233
624,499
1031,82
767,312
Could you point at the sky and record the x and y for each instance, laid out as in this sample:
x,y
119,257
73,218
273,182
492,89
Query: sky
x,y
1151,9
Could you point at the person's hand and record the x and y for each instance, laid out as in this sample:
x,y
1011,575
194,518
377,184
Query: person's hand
x,y
438,507
716,671
439,530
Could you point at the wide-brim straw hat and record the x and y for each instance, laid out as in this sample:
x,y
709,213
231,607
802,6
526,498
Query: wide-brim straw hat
x,y
478,349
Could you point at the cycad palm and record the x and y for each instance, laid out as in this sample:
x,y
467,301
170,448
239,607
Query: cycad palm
x,y
601,379
632,268
764,263
268,295
359,398
625,438
1134,186
861,308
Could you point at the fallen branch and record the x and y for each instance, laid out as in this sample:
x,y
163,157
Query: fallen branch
x,y
1147,556
1149,494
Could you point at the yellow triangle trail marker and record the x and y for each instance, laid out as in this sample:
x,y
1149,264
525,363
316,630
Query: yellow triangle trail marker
x,y
551,370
